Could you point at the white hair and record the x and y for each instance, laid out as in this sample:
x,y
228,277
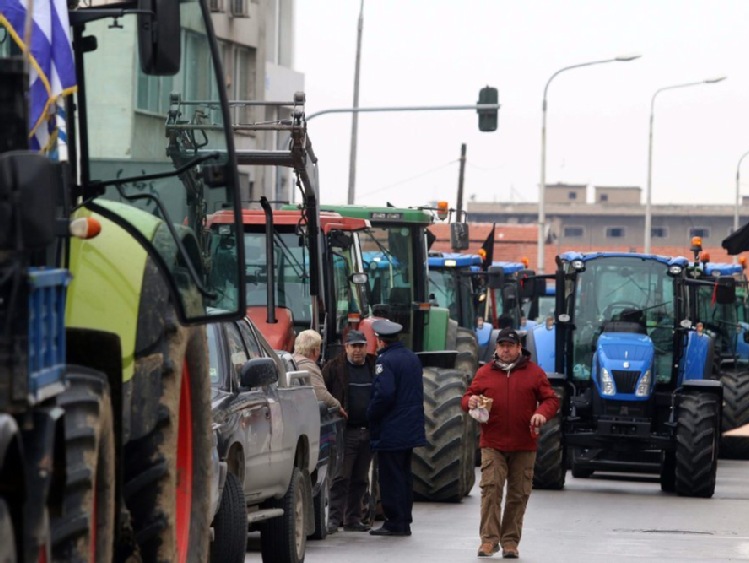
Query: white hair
x,y
307,342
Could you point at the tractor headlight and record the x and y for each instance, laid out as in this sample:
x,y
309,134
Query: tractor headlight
x,y
607,383
643,388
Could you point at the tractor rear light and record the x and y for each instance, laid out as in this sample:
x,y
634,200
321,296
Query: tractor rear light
x,y
85,228
643,387
607,383
354,318
674,270
578,264
450,263
423,306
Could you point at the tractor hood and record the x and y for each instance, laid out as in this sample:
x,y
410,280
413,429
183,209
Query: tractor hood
x,y
625,357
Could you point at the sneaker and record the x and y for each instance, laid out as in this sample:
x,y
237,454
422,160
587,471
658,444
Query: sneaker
x,y
488,549
358,527
510,552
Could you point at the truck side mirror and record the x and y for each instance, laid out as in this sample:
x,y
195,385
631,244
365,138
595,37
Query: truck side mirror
x,y
258,372
159,37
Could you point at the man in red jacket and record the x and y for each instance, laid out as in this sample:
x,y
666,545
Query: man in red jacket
x,y
523,401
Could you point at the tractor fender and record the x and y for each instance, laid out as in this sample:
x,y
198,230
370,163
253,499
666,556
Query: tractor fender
x,y
704,386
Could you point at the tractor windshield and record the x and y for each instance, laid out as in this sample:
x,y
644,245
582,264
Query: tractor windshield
x,y
157,155
453,288
389,254
627,294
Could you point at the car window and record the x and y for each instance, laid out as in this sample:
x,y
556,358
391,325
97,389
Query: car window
x,y
237,351
253,346
213,356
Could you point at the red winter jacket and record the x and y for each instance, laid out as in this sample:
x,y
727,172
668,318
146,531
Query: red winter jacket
x,y
518,394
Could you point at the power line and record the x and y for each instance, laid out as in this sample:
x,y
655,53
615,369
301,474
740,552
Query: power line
x,y
406,180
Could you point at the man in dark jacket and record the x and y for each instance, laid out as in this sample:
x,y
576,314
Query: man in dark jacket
x,y
522,402
349,377
396,424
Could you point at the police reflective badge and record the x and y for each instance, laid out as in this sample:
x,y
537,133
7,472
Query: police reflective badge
x,y
378,369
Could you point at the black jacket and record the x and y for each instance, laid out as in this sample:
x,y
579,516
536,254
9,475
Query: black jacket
x,y
335,374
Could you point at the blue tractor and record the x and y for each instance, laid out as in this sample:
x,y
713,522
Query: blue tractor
x,y
637,382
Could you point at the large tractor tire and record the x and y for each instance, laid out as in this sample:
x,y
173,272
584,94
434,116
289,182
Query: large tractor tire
x,y
83,527
167,458
439,467
284,539
468,352
697,432
549,471
8,553
230,524
735,412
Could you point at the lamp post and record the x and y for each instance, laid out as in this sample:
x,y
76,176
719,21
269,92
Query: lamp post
x,y
738,197
648,186
542,187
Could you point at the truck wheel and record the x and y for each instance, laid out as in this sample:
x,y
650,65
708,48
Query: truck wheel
x,y
321,503
697,428
283,539
83,529
230,524
167,459
549,471
8,553
438,468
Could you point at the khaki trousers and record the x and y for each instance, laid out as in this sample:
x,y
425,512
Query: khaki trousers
x,y
498,468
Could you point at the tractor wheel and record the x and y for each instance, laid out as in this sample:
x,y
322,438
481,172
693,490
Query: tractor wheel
x,y
8,553
468,352
438,468
735,399
549,471
283,539
83,529
230,524
697,428
167,458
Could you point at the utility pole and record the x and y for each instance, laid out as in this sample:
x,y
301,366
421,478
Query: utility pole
x,y
459,202
355,117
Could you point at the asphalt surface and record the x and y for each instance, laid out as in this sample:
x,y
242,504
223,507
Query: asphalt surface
x,y
604,518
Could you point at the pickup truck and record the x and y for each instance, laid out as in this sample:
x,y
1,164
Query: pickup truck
x,y
268,425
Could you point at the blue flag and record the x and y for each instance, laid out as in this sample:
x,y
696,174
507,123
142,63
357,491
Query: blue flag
x,y
51,67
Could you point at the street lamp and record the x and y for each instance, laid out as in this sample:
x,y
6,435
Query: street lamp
x,y
542,187
648,187
738,197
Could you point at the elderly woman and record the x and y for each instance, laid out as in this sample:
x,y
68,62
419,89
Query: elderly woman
x,y
307,349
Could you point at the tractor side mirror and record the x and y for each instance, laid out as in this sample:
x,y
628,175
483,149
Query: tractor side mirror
x,y
496,277
725,291
459,238
159,37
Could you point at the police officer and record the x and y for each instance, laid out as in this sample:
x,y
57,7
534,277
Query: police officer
x,y
396,422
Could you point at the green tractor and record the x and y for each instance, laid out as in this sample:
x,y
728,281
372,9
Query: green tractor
x,y
395,253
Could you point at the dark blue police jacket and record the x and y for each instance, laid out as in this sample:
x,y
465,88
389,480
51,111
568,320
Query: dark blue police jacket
x,y
396,411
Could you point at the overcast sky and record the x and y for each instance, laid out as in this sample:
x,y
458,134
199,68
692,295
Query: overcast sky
x,y
441,52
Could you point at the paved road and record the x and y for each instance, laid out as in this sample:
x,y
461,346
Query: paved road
x,y
595,520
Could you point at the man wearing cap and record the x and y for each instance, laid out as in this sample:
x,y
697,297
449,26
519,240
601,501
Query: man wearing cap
x,y
523,400
396,422
348,377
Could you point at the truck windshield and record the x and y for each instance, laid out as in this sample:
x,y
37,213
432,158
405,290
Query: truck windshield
x,y
140,126
634,292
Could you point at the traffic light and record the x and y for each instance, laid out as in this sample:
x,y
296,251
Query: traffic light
x,y
488,117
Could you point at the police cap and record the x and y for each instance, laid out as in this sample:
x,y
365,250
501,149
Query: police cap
x,y
384,327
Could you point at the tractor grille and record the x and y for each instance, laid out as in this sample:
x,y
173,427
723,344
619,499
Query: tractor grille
x,y
625,380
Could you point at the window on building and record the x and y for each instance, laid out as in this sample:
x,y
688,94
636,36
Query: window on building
x,y
573,232
604,198
616,232
571,195
702,232
244,81
659,232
